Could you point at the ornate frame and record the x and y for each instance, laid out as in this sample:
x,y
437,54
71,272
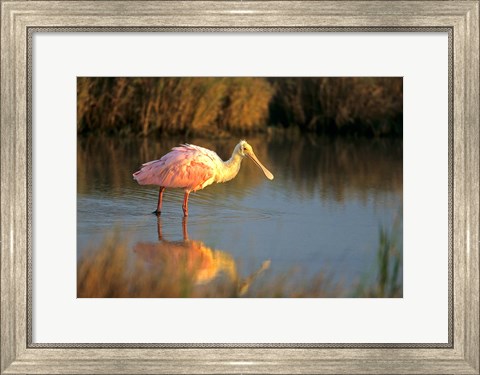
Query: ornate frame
x,y
20,19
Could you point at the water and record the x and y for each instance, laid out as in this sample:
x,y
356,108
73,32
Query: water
x,y
321,214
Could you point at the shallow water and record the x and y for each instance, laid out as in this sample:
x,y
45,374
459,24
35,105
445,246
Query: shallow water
x,y
321,214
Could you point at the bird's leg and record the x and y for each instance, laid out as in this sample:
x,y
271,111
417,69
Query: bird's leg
x,y
184,227
159,229
158,211
185,203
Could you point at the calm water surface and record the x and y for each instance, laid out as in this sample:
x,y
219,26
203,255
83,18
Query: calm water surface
x,y
322,212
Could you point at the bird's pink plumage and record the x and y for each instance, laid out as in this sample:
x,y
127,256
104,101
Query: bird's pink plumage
x,y
188,167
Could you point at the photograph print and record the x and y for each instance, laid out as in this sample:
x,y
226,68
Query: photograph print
x,y
252,187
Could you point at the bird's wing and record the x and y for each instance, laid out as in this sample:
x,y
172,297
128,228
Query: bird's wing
x,y
187,166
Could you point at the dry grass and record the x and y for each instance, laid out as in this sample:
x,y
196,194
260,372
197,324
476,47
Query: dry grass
x,y
218,106
171,105
351,105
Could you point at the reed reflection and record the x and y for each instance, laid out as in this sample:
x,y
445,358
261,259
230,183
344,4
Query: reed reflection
x,y
307,165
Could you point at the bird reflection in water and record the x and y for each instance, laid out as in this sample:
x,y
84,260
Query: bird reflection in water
x,y
201,263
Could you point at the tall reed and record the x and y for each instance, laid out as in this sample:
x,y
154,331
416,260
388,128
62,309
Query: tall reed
x,y
347,105
217,106
388,273
172,105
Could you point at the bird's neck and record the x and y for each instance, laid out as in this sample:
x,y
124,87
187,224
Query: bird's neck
x,y
230,168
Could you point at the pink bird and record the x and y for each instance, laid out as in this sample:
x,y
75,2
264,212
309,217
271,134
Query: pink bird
x,y
192,168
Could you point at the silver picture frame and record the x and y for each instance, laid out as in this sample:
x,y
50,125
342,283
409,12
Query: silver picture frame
x,y
20,20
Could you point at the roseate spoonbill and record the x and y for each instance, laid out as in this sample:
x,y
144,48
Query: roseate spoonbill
x,y
192,168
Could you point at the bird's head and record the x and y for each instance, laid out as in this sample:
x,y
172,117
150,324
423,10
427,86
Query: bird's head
x,y
244,149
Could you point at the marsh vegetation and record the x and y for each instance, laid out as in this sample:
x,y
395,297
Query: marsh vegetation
x,y
225,106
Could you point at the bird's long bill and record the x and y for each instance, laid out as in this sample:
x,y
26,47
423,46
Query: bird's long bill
x,y
268,174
